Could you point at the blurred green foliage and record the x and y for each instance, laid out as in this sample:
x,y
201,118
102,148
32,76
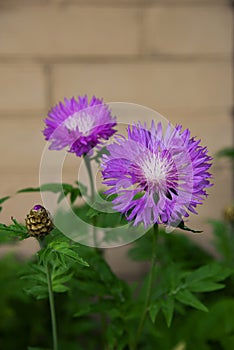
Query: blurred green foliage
x,y
190,305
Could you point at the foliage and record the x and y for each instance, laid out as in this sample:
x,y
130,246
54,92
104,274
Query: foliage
x,y
226,152
13,232
62,189
188,289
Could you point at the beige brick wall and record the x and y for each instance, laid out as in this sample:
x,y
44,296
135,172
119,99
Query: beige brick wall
x,y
171,55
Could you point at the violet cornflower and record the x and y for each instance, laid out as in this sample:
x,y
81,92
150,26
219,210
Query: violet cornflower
x,y
79,125
156,177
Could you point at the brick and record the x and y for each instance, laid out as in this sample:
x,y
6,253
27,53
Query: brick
x,y
161,86
214,130
189,2
68,31
141,2
24,141
26,146
194,31
15,3
22,87
107,3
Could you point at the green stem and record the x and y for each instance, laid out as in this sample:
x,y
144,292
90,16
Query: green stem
x,y
42,242
149,288
90,174
89,170
52,308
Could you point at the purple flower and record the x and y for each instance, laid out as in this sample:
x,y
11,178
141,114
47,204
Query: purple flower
x,y
79,125
157,177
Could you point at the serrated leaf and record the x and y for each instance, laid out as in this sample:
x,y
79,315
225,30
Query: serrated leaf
x,y
187,298
16,230
186,228
38,292
60,288
214,272
154,310
62,278
44,256
66,250
168,306
35,277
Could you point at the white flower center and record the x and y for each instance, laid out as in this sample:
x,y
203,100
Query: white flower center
x,y
154,169
80,121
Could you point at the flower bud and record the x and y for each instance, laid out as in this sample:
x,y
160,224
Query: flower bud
x,y
38,222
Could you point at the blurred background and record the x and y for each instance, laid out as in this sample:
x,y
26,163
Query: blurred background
x,y
174,56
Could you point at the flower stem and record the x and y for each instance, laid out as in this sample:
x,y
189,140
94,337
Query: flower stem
x,y
42,242
90,174
149,288
52,308
99,251
89,170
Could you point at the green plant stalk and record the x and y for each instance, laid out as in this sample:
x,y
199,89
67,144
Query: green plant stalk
x,y
89,170
52,308
90,174
149,288
42,243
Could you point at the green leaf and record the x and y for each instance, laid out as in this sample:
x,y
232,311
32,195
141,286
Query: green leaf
x,y
99,154
35,277
223,239
83,188
205,286
93,212
74,194
168,306
59,288
16,230
226,152
37,292
213,272
3,199
62,277
186,228
62,251
65,249
187,298
154,310
62,188
50,187
85,309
